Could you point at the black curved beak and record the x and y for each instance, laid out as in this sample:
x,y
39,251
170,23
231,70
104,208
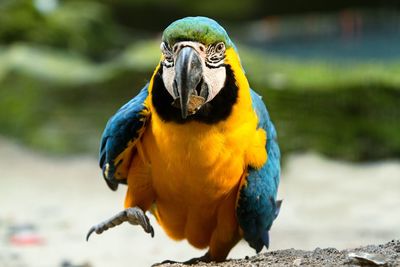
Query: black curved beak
x,y
188,75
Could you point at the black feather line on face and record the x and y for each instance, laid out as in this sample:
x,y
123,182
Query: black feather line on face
x,y
218,109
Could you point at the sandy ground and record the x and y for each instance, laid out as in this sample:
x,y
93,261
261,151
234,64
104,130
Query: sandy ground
x,y
326,204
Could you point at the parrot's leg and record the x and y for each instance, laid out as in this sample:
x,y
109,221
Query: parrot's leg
x,y
134,216
226,234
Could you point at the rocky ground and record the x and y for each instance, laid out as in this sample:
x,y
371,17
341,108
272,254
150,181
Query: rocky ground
x,y
48,203
373,255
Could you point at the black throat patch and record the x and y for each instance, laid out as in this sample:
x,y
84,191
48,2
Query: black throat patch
x,y
218,109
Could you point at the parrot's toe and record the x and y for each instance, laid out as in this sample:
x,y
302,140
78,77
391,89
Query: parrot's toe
x,y
135,216
205,258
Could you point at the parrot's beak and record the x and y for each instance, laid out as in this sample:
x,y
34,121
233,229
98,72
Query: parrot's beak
x,y
188,77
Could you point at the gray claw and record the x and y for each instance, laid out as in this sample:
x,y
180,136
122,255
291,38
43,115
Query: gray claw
x,y
134,216
91,230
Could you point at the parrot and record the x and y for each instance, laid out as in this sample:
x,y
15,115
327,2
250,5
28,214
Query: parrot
x,y
195,147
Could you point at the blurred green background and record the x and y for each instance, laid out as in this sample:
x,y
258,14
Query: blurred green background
x,y
329,72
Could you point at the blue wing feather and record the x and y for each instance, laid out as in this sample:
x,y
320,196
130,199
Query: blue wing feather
x,y
120,136
257,206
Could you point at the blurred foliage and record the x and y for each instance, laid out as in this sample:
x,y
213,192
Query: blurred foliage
x,y
67,66
99,29
59,102
345,110
85,27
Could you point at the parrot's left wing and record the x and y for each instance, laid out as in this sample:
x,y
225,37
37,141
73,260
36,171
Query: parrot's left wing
x,y
120,137
257,206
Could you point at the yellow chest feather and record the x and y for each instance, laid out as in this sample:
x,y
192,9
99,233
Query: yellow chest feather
x,y
194,161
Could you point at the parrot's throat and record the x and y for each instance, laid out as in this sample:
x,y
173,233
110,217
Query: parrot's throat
x,y
218,109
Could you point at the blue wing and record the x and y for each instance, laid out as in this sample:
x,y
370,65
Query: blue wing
x,y
257,206
120,137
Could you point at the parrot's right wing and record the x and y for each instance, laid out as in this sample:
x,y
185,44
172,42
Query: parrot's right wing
x,y
257,206
120,138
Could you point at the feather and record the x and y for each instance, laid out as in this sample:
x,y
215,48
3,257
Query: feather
x,y
119,138
257,206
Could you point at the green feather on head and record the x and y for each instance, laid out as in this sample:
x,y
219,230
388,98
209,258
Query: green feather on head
x,y
199,29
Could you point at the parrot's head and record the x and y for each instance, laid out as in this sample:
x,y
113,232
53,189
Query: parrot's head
x,y
194,80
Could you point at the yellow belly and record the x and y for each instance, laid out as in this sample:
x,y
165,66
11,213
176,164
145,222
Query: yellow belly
x,y
193,161
195,168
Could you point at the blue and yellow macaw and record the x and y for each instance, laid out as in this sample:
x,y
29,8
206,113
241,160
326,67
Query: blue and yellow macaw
x,y
196,147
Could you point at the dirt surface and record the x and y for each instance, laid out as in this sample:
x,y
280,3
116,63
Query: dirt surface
x,y
374,255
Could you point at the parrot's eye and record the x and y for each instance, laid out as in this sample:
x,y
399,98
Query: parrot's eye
x,y
168,56
220,47
215,55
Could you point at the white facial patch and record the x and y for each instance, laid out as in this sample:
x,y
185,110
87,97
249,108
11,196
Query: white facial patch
x,y
168,76
213,76
215,79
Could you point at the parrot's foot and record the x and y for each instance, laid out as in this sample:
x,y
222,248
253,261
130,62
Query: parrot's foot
x,y
134,216
205,258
